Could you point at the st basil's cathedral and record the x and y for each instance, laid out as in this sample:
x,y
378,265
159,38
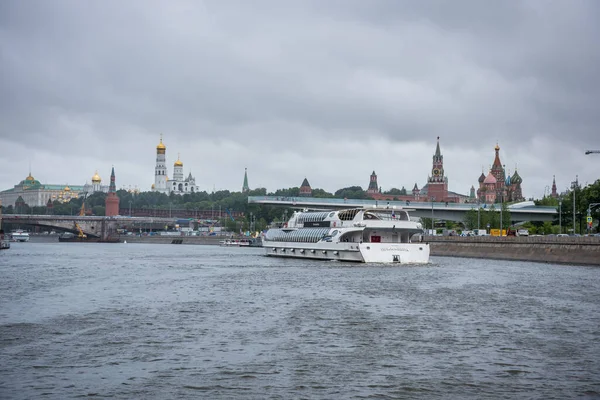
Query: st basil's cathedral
x,y
497,186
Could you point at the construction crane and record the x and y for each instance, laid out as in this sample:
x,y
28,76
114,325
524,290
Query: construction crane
x,y
592,152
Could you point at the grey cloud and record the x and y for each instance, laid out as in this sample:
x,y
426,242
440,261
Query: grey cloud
x,y
310,76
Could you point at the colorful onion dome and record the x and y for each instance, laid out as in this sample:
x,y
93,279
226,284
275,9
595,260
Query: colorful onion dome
x,y
490,179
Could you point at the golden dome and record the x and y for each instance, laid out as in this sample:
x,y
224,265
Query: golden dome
x,y
178,163
497,147
30,178
96,178
161,146
67,188
153,186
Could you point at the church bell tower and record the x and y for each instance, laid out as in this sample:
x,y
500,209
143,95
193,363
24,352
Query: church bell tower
x,y
160,171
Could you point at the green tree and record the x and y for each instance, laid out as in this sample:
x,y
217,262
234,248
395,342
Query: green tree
x,y
493,217
352,192
470,219
506,220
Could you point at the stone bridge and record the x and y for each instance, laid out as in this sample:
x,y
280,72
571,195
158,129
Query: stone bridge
x,y
102,227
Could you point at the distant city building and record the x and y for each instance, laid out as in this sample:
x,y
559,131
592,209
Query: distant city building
x,y
36,194
497,186
112,200
554,192
245,187
177,185
436,188
305,189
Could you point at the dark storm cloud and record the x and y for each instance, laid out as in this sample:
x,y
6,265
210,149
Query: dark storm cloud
x,y
314,81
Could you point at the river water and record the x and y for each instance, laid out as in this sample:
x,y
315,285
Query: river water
x,y
128,321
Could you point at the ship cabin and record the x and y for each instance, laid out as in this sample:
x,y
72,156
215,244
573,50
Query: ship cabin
x,y
357,225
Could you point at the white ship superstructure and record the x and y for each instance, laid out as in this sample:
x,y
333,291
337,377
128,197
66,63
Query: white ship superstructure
x,y
373,235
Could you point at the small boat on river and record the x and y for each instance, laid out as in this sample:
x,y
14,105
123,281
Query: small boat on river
x,y
20,236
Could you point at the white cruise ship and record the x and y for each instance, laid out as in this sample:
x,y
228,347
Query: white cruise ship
x,y
371,235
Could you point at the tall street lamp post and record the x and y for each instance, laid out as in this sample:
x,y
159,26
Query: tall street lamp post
x,y
574,187
432,224
478,210
560,216
501,204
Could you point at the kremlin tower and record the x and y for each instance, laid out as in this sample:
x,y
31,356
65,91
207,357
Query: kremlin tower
x,y
160,171
554,192
373,187
305,189
437,185
112,200
245,187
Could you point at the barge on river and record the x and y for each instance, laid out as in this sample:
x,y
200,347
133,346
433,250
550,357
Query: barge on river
x,y
367,235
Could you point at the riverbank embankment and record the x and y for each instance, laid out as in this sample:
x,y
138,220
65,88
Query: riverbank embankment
x,y
548,249
158,239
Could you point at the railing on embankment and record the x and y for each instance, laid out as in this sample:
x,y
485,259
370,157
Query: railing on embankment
x,y
564,250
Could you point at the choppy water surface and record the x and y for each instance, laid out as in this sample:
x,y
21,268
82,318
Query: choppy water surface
x,y
141,321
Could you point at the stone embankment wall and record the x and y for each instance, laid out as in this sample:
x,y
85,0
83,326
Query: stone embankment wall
x,y
206,240
564,250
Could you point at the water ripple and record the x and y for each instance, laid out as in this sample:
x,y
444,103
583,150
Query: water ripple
x,y
142,321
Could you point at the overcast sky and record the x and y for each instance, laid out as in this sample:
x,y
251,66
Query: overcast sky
x,y
327,90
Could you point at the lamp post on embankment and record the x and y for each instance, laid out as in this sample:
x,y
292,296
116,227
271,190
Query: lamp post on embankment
x,y
574,186
432,224
560,216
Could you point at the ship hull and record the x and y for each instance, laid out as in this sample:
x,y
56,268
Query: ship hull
x,y
401,253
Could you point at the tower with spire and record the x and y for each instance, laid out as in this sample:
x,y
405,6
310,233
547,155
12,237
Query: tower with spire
x,y
245,187
160,170
437,183
112,200
373,187
554,192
